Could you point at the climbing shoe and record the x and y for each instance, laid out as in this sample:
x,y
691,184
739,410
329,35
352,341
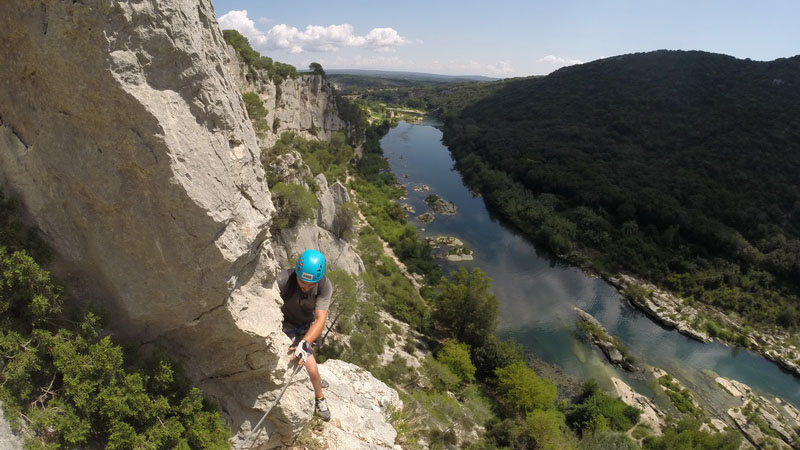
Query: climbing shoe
x,y
321,409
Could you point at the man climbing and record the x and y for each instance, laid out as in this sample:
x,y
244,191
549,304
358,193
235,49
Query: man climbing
x,y
306,295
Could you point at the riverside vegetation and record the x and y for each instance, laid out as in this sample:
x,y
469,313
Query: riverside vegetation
x,y
472,389
677,167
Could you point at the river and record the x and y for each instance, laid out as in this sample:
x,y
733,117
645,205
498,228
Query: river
x,y
536,293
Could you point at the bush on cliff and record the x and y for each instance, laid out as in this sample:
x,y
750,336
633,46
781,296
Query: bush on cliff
x,y
294,203
72,386
277,71
256,111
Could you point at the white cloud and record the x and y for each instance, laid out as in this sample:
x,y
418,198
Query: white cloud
x,y
558,60
238,20
315,38
502,68
384,37
472,67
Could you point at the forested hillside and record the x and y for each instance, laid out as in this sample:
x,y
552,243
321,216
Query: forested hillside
x,y
681,167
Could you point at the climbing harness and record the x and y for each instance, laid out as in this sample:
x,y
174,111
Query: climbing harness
x,y
258,425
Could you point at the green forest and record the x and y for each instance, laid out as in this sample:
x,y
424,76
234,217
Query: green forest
x,y
679,167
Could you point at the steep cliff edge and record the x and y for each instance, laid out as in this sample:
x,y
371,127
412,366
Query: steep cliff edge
x,y
128,144
305,105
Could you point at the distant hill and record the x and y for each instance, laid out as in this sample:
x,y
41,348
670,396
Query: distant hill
x,y
347,79
417,76
680,166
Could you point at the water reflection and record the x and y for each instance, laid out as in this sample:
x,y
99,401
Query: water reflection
x,y
537,293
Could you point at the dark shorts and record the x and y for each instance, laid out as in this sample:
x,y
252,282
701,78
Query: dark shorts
x,y
296,334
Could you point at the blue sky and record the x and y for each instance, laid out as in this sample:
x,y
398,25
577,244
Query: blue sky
x,y
504,38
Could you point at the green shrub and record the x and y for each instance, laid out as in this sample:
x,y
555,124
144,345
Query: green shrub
x,y
642,430
546,428
28,298
73,386
344,300
495,354
275,70
345,221
76,389
636,293
686,435
441,377
466,307
681,398
410,346
522,390
294,203
607,440
598,411
455,356
256,111
396,373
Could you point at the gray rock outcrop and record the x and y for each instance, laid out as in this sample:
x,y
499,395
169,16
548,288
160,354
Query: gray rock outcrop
x,y
440,205
651,414
305,105
8,440
664,307
131,151
128,145
331,198
765,423
600,337
773,343
361,406
320,234
289,168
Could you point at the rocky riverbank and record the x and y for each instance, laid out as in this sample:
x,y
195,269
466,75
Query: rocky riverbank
x,y
450,247
698,321
440,205
598,334
651,415
766,423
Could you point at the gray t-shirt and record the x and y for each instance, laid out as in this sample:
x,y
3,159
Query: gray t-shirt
x,y
298,306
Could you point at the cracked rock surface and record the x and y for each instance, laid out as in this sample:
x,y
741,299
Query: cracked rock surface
x,y
128,145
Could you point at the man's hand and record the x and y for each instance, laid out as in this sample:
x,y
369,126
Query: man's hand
x,y
300,352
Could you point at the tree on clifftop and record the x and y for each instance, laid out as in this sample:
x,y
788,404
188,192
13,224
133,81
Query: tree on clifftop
x,y
316,68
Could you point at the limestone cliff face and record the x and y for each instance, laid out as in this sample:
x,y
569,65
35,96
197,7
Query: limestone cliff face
x,y
125,137
305,105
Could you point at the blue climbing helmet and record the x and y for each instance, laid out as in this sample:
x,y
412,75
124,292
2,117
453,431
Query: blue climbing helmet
x,y
310,266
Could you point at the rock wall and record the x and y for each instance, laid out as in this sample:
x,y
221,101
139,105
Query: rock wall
x,y
126,139
8,439
304,105
131,151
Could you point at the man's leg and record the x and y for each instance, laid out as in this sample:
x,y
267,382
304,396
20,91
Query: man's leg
x,y
320,404
313,373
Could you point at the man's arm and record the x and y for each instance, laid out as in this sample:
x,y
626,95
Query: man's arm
x,y
320,316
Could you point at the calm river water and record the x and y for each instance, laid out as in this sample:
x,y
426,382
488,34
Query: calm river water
x,y
537,293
